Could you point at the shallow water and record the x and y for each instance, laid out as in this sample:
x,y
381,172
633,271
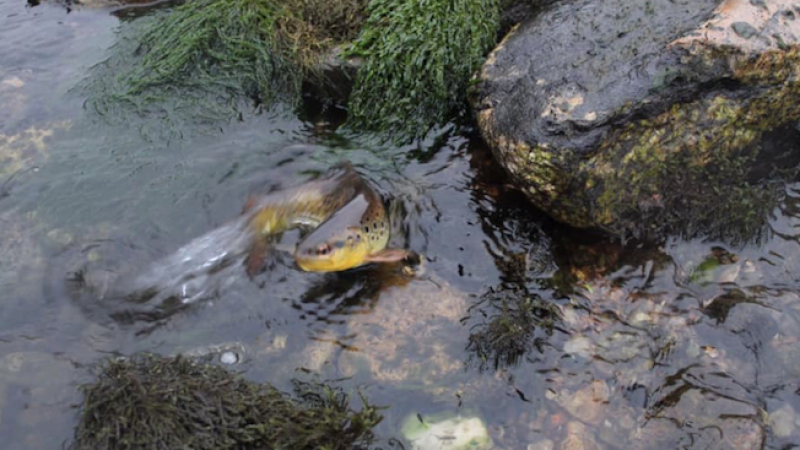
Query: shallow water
x,y
688,344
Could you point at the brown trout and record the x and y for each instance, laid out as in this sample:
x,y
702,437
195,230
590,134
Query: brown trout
x,y
348,218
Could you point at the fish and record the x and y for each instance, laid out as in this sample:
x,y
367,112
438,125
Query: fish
x,y
347,218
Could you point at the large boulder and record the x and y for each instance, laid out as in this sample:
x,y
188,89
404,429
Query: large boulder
x,y
624,115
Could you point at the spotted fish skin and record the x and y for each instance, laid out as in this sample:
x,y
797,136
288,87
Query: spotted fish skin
x,y
349,221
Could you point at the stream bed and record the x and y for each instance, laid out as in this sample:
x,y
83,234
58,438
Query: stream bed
x,y
553,338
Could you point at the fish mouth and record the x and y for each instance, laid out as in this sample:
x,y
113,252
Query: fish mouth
x,y
326,265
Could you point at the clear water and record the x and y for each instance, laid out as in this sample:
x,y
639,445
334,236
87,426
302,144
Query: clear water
x,y
688,344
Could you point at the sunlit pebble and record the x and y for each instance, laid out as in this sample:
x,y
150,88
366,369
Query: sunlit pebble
x,y
279,342
729,275
229,358
14,82
748,266
640,317
711,351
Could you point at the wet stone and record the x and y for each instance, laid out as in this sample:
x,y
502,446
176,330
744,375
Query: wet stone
x,y
229,358
580,346
759,3
651,154
446,430
544,444
578,438
782,421
744,30
588,404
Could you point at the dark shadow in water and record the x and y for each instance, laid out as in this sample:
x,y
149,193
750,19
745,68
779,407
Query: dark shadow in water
x,y
510,321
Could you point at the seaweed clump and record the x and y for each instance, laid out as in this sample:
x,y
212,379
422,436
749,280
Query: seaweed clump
x,y
203,58
418,58
214,52
515,323
153,402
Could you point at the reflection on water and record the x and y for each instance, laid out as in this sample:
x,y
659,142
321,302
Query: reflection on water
x,y
555,338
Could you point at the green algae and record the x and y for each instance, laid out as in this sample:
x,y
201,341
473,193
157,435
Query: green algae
x,y
208,60
153,402
418,58
212,59
688,169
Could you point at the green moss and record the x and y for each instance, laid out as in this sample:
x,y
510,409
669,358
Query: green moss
x,y
419,56
151,402
687,170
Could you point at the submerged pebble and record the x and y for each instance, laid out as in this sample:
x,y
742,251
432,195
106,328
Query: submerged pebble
x,y
544,444
783,421
744,30
453,432
229,358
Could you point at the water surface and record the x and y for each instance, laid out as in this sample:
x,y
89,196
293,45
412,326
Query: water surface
x,y
551,336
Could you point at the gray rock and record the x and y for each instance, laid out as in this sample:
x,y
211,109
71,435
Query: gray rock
x,y
614,114
782,421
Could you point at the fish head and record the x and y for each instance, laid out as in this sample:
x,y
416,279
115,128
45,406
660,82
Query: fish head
x,y
336,252
339,243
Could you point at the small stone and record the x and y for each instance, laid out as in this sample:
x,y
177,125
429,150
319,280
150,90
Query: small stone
x,y
279,342
93,256
729,274
544,444
578,438
229,358
14,82
783,421
588,404
641,317
693,350
744,30
759,3
711,351
579,346
59,238
453,432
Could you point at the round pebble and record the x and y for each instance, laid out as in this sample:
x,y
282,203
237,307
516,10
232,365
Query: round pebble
x,y
229,358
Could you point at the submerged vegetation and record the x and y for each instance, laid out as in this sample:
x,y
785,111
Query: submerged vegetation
x,y
154,402
515,323
209,55
220,51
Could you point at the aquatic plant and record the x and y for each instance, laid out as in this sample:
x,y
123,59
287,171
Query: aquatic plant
x,y
418,59
208,54
155,402
515,323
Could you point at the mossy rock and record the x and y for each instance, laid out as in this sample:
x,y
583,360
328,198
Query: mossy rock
x,y
634,117
152,402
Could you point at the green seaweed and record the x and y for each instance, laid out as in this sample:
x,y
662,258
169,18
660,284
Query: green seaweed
x,y
418,59
153,402
202,59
